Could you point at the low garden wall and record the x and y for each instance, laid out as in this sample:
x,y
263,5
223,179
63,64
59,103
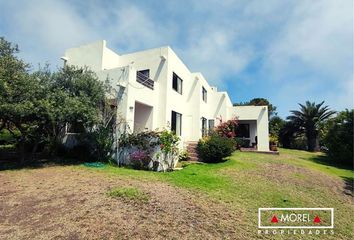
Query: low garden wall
x,y
157,151
155,160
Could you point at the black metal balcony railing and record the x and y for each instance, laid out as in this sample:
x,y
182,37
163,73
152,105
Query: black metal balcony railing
x,y
144,80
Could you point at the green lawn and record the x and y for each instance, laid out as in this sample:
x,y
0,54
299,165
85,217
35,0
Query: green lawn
x,y
248,181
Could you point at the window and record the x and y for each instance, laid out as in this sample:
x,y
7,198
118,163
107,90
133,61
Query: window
x,y
211,124
204,126
143,77
177,83
243,130
204,94
176,123
145,72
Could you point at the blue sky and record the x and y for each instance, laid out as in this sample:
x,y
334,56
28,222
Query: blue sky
x,y
286,51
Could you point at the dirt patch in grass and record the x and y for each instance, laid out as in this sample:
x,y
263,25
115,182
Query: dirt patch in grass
x,y
72,203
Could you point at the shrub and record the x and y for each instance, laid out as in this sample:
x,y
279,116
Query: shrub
x,y
299,141
140,159
273,140
241,142
168,141
228,128
183,155
160,148
339,138
214,148
144,140
78,153
99,143
6,137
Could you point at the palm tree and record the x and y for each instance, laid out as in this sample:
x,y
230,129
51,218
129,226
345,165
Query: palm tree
x,y
309,118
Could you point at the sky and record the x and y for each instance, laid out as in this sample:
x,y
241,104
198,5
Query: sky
x,y
287,51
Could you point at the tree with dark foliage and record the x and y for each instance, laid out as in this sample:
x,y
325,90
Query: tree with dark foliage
x,y
260,102
309,119
40,104
339,138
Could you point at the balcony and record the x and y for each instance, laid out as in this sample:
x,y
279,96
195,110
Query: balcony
x,y
144,80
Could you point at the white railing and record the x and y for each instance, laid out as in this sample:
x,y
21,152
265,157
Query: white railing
x,y
144,80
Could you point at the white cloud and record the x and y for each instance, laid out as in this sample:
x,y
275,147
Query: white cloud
x,y
285,44
317,35
210,52
315,45
44,29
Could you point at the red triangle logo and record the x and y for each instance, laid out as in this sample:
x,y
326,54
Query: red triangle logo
x,y
316,219
274,219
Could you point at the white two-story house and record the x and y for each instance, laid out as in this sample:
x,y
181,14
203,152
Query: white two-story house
x,y
156,90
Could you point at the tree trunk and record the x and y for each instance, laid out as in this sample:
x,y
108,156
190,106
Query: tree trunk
x,y
21,151
313,144
34,150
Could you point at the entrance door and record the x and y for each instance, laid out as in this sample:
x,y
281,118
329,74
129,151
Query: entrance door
x,y
142,117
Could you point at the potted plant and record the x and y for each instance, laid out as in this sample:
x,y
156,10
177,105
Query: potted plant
x,y
273,143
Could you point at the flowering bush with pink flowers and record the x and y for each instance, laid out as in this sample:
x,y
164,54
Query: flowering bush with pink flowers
x,y
228,128
149,150
140,159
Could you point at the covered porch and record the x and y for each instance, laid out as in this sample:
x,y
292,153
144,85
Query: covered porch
x,y
253,125
246,134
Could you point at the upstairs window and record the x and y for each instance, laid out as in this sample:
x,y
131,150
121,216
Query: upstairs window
x,y
204,94
145,72
143,77
177,83
176,123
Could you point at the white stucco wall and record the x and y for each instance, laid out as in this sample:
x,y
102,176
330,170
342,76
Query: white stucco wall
x,y
87,55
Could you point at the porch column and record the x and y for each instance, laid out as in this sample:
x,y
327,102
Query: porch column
x,y
262,131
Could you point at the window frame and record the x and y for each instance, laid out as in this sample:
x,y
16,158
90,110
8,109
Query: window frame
x,y
209,125
179,83
143,77
145,70
204,94
204,126
175,117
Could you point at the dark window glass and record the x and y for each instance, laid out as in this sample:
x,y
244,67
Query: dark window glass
x,y
204,126
177,83
145,72
143,77
204,94
176,123
243,130
211,124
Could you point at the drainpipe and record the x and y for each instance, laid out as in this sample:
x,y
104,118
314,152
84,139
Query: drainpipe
x,y
120,93
117,146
